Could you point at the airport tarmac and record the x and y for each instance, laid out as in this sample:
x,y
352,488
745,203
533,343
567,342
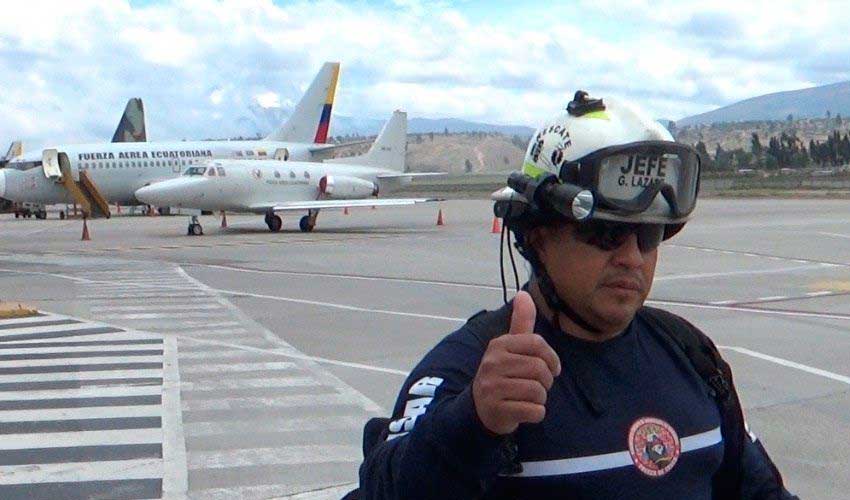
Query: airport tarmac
x,y
286,343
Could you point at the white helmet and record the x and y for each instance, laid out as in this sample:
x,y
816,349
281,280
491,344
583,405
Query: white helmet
x,y
604,160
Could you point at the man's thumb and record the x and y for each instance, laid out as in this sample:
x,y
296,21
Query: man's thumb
x,y
523,315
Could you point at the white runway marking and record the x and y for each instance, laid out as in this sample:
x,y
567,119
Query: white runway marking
x,y
79,438
157,307
236,293
95,360
751,310
346,277
790,364
83,471
86,348
250,383
284,455
93,412
175,479
293,401
82,376
335,422
835,235
738,273
83,392
297,355
236,368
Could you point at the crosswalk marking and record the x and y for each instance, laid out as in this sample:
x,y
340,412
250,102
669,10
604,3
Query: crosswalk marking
x,y
79,438
82,376
284,455
158,307
85,471
80,413
219,369
83,410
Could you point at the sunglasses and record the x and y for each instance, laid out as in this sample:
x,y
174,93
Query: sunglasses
x,y
608,235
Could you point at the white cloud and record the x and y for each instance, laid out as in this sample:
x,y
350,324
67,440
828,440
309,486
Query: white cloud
x,y
200,65
268,100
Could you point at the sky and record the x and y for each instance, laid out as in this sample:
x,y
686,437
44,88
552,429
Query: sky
x,y
203,66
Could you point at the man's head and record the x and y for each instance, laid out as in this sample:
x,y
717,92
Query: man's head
x,y
602,184
602,271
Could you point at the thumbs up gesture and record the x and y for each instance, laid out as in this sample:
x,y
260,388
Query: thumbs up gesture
x,y
515,374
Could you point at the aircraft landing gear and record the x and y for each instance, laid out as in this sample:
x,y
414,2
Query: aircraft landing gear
x,y
61,215
195,228
274,222
308,222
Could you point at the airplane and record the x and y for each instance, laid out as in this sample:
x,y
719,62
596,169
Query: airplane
x,y
131,128
118,170
269,187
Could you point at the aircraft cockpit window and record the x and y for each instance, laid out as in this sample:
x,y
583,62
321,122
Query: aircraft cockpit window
x,y
249,153
195,171
211,172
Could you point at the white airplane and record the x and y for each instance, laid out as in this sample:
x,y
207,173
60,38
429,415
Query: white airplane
x,y
119,169
131,128
268,187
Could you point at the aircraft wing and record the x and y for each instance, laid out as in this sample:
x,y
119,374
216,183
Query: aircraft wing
x,y
323,204
410,175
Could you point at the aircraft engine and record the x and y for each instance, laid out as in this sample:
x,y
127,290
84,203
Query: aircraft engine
x,y
346,188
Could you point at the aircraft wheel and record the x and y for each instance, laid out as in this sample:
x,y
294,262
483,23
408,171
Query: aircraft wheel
x,y
17,215
61,215
275,223
195,230
305,225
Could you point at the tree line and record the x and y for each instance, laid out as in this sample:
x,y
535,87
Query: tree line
x,y
785,150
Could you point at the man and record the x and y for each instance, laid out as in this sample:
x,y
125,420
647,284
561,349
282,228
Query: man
x,y
574,389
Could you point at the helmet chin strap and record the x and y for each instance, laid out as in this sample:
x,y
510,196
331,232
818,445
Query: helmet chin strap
x,y
554,301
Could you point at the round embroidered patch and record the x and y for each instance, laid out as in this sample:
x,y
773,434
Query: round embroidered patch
x,y
654,446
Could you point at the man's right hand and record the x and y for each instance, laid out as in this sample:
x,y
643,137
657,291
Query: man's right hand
x,y
515,374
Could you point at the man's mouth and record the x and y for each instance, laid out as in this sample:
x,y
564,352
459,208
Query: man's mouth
x,y
624,284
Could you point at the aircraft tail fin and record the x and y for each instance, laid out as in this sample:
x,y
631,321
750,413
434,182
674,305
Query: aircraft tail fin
x,y
16,149
311,119
388,150
131,128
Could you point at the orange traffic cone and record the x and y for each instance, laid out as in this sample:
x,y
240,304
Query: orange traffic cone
x,y
345,211
440,218
86,236
497,228
223,219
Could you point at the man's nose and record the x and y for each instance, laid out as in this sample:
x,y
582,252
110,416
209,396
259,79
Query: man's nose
x,y
628,254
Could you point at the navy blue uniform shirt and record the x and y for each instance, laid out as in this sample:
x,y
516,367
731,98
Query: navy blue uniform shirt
x,y
623,420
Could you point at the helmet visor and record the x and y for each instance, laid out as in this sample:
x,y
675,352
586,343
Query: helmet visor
x,y
628,178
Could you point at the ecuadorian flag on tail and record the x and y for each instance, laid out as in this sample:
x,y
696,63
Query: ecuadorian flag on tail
x,y
325,120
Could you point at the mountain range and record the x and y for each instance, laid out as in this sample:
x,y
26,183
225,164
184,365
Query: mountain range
x,y
813,102
260,120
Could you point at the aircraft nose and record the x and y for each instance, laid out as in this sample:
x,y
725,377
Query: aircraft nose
x,y
166,194
2,183
153,195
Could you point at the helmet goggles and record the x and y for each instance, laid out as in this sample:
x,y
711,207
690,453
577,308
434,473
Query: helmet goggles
x,y
627,178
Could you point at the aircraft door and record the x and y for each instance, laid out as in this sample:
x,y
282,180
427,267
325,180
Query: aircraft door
x,y
50,164
281,154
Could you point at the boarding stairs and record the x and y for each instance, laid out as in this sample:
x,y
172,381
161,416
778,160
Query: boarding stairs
x,y
84,191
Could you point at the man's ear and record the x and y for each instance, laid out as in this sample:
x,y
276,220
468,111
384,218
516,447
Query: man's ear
x,y
534,239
